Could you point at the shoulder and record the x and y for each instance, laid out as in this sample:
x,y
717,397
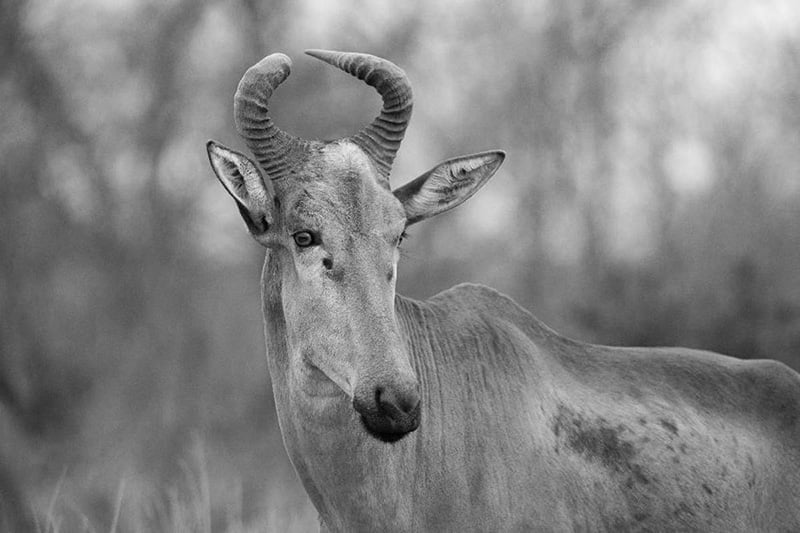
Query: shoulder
x,y
475,305
464,308
476,297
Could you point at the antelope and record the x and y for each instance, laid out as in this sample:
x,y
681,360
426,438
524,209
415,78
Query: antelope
x,y
464,412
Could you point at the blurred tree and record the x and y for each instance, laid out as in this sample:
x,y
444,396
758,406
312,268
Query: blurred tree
x,y
649,197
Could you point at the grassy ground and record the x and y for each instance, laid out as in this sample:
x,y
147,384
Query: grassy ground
x,y
197,502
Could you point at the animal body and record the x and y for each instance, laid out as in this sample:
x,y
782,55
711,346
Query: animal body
x,y
464,412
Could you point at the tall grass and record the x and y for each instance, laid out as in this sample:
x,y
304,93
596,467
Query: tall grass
x,y
193,503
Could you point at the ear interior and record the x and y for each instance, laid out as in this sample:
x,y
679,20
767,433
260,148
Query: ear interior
x,y
232,180
447,185
243,181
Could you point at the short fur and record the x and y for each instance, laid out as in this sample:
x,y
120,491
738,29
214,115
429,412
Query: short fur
x,y
525,430
521,428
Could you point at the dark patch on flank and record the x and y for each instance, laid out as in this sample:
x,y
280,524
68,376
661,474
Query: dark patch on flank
x,y
601,443
751,478
476,485
638,474
707,489
682,448
683,510
669,426
597,440
643,421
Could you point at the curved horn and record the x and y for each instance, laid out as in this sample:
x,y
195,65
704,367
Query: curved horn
x,y
276,151
381,139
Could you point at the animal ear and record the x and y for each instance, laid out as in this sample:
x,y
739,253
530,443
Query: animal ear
x,y
243,181
447,185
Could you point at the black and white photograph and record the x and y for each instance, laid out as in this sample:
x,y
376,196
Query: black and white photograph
x,y
380,266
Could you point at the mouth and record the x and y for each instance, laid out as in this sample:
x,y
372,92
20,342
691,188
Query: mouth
x,y
388,434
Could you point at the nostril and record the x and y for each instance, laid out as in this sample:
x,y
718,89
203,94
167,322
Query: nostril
x,y
395,403
408,402
327,262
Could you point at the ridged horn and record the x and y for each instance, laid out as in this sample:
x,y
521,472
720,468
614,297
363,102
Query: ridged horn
x,y
276,151
381,139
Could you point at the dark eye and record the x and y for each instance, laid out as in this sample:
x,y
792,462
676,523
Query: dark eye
x,y
304,239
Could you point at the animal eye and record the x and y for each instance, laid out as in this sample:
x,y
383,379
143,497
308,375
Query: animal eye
x,y
304,239
401,238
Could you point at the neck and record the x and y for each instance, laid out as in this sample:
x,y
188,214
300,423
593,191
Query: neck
x,y
357,482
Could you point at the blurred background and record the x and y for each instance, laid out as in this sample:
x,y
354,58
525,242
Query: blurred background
x,y
651,196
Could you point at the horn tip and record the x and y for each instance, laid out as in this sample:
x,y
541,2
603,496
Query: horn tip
x,y
318,53
273,62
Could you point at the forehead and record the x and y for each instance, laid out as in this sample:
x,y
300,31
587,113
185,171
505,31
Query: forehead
x,y
340,185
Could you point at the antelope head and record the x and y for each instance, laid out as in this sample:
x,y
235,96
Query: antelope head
x,y
326,212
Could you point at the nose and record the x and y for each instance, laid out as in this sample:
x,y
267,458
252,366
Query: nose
x,y
389,411
396,404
